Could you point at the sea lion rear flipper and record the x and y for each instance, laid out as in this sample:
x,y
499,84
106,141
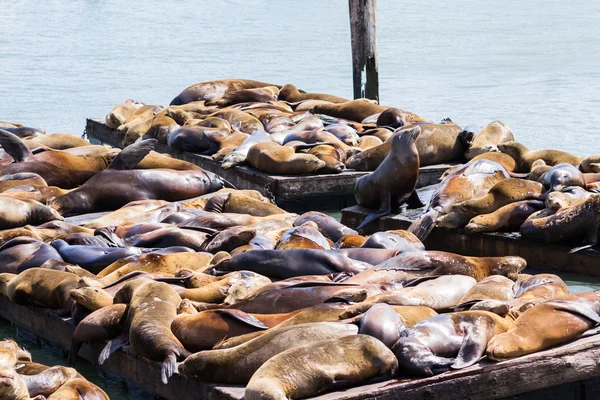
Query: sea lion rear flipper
x,y
112,346
414,201
472,347
522,175
580,309
168,368
384,209
590,241
423,225
131,155
14,146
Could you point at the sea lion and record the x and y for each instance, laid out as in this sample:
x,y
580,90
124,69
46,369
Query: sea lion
x,y
540,286
22,253
24,132
403,241
119,114
151,310
345,133
502,193
349,241
472,180
392,118
25,161
125,213
240,203
60,141
503,159
507,218
590,164
192,138
494,287
18,212
273,158
407,266
571,316
525,157
12,385
538,169
561,176
355,110
9,181
227,144
119,185
244,122
290,263
92,298
577,224
40,194
291,94
328,225
240,153
456,341
332,156
494,133
204,220
40,287
215,89
237,365
48,381
303,237
369,141
382,322
262,94
566,197
77,389
305,371
394,181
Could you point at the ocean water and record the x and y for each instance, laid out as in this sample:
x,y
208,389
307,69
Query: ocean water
x,y
534,64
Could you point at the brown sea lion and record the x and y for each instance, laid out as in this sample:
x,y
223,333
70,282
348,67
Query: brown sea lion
x,y
472,180
578,224
540,286
215,89
369,141
355,110
486,141
349,241
152,307
303,237
238,364
119,114
502,193
77,389
19,179
291,94
394,181
494,287
60,141
244,122
40,194
507,218
25,161
590,164
48,381
119,185
538,169
525,157
414,264
398,240
17,212
503,159
92,298
12,385
262,94
125,213
328,225
227,144
333,157
305,371
566,197
273,158
455,341
561,176
547,324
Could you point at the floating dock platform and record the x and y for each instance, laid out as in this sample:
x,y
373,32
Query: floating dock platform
x,y
571,370
540,255
294,193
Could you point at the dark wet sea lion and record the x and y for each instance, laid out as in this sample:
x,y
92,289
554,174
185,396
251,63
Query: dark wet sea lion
x,y
322,366
93,258
119,185
393,182
381,322
171,236
328,225
561,176
455,341
238,364
494,133
470,181
24,132
507,218
25,161
21,253
525,157
290,263
215,89
151,310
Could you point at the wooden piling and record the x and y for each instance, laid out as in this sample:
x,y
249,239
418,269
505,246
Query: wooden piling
x,y
363,32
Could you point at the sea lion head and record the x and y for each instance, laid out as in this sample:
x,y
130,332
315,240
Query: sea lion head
x,y
567,197
509,266
405,137
507,345
513,149
466,138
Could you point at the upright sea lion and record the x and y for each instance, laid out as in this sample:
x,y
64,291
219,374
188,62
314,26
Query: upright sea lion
x,y
25,161
494,133
291,94
502,193
547,324
416,264
578,224
151,310
456,341
472,180
22,253
215,89
561,176
525,157
238,364
305,371
119,185
273,158
394,181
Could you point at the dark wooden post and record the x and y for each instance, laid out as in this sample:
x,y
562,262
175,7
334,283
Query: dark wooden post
x,y
363,32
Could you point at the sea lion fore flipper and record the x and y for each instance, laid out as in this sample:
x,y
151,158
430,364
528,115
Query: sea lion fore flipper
x,y
131,155
14,146
216,203
414,201
384,209
423,225
111,347
472,347
580,309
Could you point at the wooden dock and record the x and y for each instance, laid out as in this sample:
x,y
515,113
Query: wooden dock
x,y
295,193
540,255
573,366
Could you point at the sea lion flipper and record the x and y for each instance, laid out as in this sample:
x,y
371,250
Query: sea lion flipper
x,y
580,309
168,368
243,317
414,201
111,347
216,203
423,226
472,347
131,155
590,241
14,146
384,209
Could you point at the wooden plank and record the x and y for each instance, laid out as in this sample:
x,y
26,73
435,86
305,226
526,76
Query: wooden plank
x,y
297,193
554,257
572,362
363,34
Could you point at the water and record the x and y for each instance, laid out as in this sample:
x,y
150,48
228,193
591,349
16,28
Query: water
x,y
533,64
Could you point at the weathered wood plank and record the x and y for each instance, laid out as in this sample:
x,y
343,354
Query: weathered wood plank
x,y
294,193
363,34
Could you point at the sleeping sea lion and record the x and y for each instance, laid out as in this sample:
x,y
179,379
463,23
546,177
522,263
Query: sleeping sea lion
x,y
525,157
